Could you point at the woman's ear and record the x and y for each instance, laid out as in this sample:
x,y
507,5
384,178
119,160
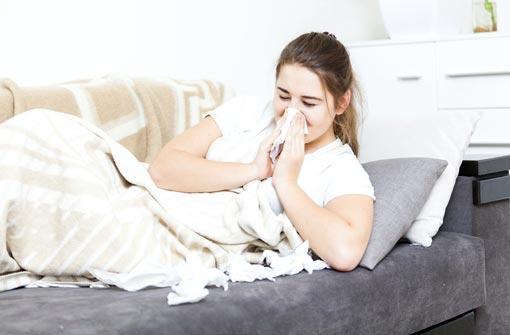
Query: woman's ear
x,y
345,100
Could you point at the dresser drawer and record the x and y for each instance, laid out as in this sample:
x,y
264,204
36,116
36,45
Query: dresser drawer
x,y
396,78
474,73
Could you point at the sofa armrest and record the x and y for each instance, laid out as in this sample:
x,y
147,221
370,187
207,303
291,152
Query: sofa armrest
x,y
492,182
482,179
480,206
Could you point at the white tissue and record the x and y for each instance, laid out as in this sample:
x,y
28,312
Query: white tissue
x,y
240,270
293,263
189,280
278,143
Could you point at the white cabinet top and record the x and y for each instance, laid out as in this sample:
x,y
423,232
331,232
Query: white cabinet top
x,y
474,36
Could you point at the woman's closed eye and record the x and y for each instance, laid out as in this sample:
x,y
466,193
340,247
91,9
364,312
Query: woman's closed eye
x,y
304,102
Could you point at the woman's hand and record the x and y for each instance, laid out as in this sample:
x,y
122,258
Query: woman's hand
x,y
288,164
262,163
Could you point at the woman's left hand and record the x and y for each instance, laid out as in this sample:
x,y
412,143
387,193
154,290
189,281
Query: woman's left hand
x,y
288,163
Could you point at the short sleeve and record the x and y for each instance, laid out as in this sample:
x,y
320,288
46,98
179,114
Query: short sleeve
x,y
347,176
236,114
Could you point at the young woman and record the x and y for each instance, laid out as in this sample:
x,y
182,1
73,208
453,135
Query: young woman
x,y
317,179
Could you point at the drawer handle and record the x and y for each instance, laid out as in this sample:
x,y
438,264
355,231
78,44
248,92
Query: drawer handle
x,y
478,74
484,143
409,76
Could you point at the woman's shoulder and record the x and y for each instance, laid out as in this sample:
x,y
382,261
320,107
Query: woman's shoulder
x,y
239,113
346,175
347,162
247,101
248,97
248,107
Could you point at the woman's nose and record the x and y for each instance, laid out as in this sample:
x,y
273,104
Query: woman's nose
x,y
293,103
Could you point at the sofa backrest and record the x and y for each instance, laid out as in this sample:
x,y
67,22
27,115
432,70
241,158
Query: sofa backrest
x,y
140,113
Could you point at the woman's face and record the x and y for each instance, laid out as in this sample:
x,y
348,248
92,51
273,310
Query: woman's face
x,y
298,87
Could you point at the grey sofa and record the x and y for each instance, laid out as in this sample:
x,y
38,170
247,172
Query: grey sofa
x,y
459,285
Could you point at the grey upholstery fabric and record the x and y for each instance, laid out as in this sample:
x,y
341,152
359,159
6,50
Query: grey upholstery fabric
x,y
402,186
459,213
491,222
411,289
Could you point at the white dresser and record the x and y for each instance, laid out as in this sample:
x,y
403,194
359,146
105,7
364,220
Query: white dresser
x,y
469,72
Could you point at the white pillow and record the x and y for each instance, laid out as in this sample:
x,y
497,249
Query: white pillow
x,y
444,135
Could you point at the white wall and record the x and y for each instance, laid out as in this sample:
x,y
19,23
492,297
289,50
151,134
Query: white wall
x,y
234,41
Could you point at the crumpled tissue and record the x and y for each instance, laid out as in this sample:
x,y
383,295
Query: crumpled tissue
x,y
188,280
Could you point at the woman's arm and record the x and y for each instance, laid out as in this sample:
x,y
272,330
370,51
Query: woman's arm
x,y
339,233
181,164
184,172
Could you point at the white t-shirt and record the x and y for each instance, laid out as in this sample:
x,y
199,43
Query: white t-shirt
x,y
328,172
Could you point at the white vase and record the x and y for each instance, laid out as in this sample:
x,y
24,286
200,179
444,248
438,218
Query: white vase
x,y
406,19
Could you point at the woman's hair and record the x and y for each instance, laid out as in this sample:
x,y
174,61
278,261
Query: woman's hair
x,y
324,55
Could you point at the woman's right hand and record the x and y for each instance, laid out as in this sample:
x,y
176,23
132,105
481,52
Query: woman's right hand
x,y
262,162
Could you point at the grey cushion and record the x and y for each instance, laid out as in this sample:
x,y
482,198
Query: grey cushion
x,y
401,186
413,288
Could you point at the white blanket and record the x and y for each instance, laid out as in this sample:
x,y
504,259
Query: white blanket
x,y
77,208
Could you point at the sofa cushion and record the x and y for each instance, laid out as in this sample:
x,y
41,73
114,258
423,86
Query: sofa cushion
x,y
411,289
401,185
